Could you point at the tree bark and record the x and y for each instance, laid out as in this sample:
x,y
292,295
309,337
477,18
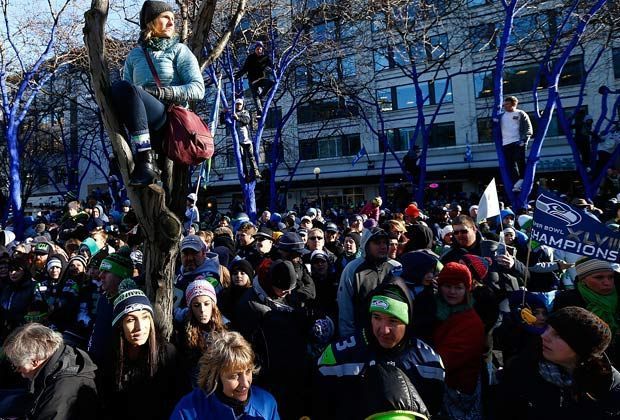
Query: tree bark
x,y
162,228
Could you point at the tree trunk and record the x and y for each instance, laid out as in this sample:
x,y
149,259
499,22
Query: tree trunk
x,y
162,229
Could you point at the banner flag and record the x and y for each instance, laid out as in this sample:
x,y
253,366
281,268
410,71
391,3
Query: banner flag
x,y
562,226
359,155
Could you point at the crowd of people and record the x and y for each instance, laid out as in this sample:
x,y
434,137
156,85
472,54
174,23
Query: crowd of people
x,y
434,315
356,313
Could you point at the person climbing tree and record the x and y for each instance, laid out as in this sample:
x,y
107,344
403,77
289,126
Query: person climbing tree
x,y
256,65
139,103
242,116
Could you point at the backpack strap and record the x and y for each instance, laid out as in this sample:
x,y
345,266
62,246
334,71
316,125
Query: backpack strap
x,y
149,60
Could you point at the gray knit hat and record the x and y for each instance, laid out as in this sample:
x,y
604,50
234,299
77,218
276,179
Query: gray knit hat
x,y
152,9
587,266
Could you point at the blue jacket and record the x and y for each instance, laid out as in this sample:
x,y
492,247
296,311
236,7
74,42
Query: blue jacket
x,y
176,67
198,405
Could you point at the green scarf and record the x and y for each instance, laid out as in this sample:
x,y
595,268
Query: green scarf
x,y
606,307
162,44
444,310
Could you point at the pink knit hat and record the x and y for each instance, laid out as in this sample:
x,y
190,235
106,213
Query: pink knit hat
x,y
199,288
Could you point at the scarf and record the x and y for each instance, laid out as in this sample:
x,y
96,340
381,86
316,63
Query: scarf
x,y
605,307
444,310
162,44
553,374
237,406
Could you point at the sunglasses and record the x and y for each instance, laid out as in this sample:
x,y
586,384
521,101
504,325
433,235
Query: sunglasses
x,y
316,238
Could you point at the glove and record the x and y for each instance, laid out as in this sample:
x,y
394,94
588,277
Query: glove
x,y
164,94
323,330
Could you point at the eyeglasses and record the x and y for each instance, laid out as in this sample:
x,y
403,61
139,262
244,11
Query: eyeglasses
x,y
459,232
316,238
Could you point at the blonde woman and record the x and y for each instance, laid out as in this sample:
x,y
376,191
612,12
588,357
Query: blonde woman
x,y
225,384
139,103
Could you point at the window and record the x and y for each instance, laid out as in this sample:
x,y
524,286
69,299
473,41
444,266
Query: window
x,y
474,3
274,116
573,71
398,139
485,130
442,135
438,88
483,37
520,79
378,22
325,109
382,59
329,147
616,62
483,84
534,27
384,98
324,31
405,97
347,65
302,76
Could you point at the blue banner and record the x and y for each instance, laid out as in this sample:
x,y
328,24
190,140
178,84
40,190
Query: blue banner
x,y
359,155
562,226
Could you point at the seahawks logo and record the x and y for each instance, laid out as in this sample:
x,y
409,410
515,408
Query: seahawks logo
x,y
379,303
558,209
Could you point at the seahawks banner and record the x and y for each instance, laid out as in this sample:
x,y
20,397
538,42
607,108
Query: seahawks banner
x,y
570,229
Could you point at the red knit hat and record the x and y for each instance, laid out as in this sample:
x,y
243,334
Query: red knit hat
x,y
454,273
412,211
478,266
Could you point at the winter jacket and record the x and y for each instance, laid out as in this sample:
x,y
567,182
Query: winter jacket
x,y
191,216
573,298
256,67
209,268
371,211
15,299
500,279
341,366
358,279
460,340
198,405
279,334
65,387
525,125
142,397
176,67
525,395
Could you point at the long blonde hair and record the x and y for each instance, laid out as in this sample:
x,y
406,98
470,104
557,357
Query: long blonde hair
x,y
227,351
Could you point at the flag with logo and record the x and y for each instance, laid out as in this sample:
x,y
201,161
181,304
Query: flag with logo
x,y
359,155
489,203
562,226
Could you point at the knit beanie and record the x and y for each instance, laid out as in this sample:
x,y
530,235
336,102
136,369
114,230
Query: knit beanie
x,y
412,211
130,301
79,258
53,262
587,266
283,275
242,265
525,221
152,9
118,264
391,302
478,266
416,264
91,245
584,332
200,288
454,273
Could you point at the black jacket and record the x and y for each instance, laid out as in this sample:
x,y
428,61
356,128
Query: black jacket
x,y
525,395
65,387
255,67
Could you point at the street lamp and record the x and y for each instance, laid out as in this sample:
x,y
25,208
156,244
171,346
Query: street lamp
x,y
317,172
